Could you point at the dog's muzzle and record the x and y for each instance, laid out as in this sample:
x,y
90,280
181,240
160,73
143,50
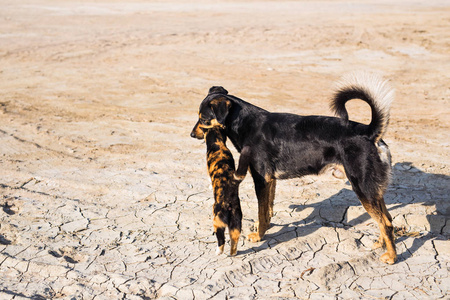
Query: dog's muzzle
x,y
197,133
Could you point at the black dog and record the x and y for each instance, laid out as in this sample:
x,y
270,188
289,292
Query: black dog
x,y
286,146
225,181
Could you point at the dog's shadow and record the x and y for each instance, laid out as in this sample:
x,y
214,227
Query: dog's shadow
x,y
409,186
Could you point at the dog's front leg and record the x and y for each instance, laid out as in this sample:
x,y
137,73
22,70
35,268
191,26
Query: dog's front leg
x,y
265,192
244,161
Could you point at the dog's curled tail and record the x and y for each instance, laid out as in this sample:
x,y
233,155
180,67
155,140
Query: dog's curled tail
x,y
373,90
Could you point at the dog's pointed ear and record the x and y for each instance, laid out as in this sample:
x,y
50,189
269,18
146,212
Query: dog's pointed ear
x,y
221,107
217,90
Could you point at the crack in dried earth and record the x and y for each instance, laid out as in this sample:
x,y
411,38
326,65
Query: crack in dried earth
x,y
105,195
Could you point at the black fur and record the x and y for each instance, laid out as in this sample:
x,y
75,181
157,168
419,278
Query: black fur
x,y
285,146
225,181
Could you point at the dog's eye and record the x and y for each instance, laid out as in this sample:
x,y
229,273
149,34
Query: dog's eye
x,y
205,122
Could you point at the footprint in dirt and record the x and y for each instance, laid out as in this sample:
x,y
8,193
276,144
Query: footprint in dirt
x,y
4,240
8,234
10,206
69,254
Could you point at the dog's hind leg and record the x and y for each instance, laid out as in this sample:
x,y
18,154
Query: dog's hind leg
x,y
381,241
234,238
219,229
369,176
378,211
376,208
220,234
265,192
235,228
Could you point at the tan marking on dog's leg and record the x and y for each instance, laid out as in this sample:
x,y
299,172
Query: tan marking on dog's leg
x,y
384,220
272,186
234,237
218,223
391,255
265,210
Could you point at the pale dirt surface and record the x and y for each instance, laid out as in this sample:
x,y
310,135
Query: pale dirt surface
x,y
104,195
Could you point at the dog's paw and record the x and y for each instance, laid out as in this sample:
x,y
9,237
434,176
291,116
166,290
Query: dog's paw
x,y
219,250
388,258
237,177
254,237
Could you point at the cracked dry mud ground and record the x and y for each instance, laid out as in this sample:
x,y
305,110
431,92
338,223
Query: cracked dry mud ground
x,y
104,195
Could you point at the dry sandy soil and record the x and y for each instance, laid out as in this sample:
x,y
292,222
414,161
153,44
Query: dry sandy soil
x,y
105,195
